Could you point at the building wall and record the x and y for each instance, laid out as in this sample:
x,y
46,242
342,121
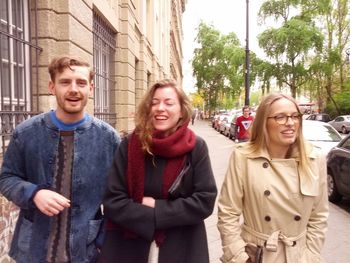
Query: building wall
x,y
148,37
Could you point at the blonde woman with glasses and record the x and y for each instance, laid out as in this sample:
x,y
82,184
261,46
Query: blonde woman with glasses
x,y
277,183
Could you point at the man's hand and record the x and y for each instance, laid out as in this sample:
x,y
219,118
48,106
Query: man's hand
x,y
50,203
149,201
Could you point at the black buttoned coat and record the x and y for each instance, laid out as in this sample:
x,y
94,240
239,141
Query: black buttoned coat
x,y
181,219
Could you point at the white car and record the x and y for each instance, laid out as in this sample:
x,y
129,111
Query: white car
x,y
224,127
321,134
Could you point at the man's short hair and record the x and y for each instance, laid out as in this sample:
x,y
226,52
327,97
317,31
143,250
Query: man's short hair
x,y
59,64
245,107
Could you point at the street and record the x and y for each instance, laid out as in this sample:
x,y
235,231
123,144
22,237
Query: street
x,y
337,245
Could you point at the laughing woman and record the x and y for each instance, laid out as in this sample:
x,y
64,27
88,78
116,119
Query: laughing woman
x,y
161,186
277,182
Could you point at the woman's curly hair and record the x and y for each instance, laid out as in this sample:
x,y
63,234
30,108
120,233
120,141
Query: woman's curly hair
x,y
144,128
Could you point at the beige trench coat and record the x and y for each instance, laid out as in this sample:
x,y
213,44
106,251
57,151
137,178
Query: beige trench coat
x,y
283,210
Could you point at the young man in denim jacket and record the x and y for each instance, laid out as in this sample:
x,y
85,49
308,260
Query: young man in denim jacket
x,y
55,171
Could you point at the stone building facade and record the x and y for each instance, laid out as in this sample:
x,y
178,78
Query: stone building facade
x,y
130,43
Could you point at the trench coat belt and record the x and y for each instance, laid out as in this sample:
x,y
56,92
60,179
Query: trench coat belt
x,y
271,241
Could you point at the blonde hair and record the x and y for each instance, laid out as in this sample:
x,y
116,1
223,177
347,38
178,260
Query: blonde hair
x,y
259,135
143,125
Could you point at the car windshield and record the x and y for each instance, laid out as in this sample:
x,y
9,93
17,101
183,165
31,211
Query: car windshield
x,y
320,133
229,118
346,143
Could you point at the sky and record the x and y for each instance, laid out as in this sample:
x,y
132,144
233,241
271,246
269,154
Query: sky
x,y
226,16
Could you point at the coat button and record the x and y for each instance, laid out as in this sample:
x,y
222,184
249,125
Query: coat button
x,y
265,165
51,159
267,192
267,218
297,218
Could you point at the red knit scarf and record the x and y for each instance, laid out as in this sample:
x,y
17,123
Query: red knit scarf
x,y
174,148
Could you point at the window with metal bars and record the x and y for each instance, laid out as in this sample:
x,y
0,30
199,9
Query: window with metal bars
x,y
18,65
104,52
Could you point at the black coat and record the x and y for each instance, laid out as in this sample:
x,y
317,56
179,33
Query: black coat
x,y
181,219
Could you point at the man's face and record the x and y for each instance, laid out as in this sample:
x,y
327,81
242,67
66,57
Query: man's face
x,y
72,89
246,113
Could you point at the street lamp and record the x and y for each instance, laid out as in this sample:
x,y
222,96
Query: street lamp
x,y
246,76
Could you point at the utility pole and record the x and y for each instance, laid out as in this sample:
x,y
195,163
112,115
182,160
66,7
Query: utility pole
x,y
247,58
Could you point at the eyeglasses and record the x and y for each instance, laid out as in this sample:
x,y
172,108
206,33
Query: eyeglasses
x,y
283,118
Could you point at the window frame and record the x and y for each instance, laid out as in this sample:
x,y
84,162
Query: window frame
x,y
104,48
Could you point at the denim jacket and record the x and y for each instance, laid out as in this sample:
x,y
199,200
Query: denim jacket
x,y
29,165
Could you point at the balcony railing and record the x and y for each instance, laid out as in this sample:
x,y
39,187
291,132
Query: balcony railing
x,y
8,122
110,118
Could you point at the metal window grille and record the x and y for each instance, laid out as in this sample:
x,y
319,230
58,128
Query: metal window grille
x,y
104,50
18,66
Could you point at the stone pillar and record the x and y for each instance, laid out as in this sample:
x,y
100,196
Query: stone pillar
x,y
67,30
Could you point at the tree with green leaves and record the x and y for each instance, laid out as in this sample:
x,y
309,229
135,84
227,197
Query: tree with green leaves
x,y
196,100
288,46
337,30
218,67
328,68
305,53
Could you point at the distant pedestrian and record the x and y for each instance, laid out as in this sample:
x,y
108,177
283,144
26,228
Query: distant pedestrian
x,y
278,183
243,125
194,114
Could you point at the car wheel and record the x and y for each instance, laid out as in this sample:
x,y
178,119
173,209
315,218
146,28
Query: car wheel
x,y
333,194
343,130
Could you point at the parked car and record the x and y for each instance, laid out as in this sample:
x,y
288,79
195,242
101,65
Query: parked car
x,y
213,119
341,123
225,125
232,130
218,121
338,171
321,134
305,116
319,117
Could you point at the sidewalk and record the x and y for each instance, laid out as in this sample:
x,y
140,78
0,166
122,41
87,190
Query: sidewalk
x,y
220,148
